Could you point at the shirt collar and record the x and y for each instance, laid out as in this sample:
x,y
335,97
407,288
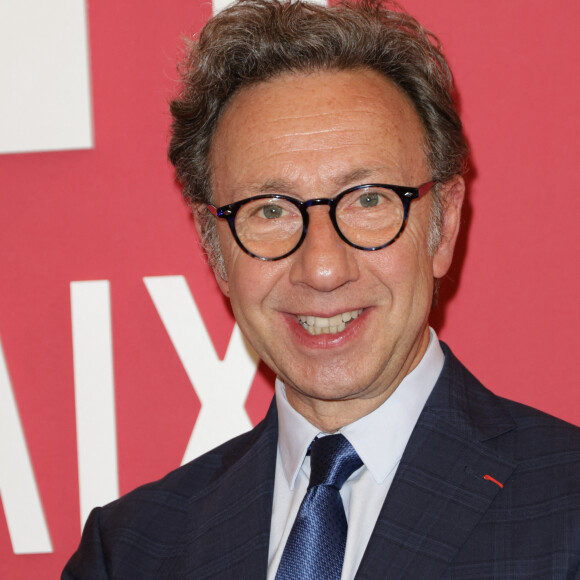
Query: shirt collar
x,y
391,423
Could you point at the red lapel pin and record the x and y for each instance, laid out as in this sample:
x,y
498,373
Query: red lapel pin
x,y
490,478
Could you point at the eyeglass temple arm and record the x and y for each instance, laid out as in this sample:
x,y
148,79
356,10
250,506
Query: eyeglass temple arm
x,y
424,189
212,209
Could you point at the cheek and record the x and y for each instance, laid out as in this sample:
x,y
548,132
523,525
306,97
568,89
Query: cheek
x,y
405,271
251,282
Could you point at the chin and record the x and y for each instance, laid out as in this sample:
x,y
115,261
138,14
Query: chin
x,y
341,390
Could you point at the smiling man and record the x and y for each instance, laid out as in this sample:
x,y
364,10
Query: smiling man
x,y
313,135
322,156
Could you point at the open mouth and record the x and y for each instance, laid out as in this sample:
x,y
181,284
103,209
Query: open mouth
x,y
332,325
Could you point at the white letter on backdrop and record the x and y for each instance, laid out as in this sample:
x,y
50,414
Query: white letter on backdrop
x,y
54,36
94,394
222,386
22,506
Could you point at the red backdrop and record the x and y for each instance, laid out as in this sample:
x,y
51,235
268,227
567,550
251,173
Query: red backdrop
x,y
510,311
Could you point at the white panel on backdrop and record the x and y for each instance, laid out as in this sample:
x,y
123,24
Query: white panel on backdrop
x,y
219,5
94,394
18,489
45,100
222,386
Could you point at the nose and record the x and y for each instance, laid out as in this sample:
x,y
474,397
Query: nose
x,y
323,261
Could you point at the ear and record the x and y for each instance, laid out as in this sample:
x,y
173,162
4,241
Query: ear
x,y
452,195
222,283
197,211
200,218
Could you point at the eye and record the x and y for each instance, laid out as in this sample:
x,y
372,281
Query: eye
x,y
369,199
272,211
267,210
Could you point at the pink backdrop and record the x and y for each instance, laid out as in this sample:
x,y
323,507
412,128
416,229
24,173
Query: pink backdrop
x,y
114,213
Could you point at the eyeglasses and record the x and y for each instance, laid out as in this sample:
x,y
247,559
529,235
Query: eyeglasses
x,y
367,217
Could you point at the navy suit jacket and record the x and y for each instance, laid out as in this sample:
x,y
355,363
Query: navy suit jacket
x,y
487,488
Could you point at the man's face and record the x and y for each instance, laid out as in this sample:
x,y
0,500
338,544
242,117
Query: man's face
x,y
314,136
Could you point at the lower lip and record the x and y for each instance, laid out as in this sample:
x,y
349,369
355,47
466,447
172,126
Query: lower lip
x,y
327,341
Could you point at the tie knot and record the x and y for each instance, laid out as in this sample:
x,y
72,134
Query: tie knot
x,y
332,461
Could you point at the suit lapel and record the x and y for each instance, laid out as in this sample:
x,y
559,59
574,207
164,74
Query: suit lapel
x,y
440,491
229,523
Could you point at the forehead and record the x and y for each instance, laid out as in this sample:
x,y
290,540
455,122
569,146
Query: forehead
x,y
315,129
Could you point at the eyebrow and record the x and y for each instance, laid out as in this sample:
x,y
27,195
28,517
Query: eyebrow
x,y
277,186
287,187
356,175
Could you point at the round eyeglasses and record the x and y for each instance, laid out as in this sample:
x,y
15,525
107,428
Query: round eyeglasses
x,y
367,217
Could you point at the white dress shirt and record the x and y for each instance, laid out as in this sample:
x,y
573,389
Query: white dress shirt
x,y
379,438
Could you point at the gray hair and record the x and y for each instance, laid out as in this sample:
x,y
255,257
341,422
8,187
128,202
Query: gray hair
x,y
256,40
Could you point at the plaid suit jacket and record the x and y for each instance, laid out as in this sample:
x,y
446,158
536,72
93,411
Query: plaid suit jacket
x,y
487,488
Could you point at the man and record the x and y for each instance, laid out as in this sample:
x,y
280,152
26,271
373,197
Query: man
x,y
322,156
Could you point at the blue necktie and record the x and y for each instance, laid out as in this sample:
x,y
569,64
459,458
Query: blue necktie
x,y
315,546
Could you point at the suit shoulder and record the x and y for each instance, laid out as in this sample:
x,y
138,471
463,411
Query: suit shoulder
x,y
524,413
515,428
144,531
548,435
172,493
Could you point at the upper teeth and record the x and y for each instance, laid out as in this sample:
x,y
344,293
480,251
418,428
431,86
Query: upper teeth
x,y
320,325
